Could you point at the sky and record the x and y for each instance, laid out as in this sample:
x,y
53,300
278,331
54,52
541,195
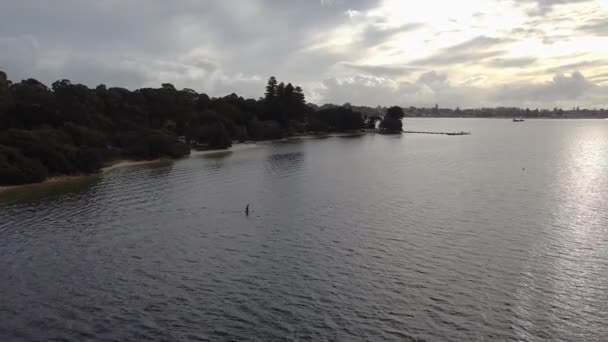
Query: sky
x,y
464,53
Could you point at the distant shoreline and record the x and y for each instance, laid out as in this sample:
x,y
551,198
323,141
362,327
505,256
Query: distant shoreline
x,y
505,117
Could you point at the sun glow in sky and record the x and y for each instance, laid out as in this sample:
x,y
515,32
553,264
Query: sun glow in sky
x,y
467,53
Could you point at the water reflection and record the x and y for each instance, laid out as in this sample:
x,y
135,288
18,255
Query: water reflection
x,y
351,136
279,164
50,191
217,155
579,232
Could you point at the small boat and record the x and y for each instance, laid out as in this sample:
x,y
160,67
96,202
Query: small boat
x,y
518,120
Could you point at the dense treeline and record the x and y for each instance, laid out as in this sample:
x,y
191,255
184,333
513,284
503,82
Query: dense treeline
x,y
72,129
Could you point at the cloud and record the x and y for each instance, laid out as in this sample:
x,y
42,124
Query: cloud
x,y
602,77
527,32
446,59
375,90
433,80
575,66
382,70
563,90
428,89
126,73
516,62
544,7
472,50
375,35
532,32
598,27
478,43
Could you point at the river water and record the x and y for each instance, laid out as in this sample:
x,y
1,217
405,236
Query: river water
x,y
497,236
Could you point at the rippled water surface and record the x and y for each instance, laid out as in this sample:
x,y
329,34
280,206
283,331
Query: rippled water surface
x,y
497,236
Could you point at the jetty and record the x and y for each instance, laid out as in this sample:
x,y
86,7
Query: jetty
x,y
443,133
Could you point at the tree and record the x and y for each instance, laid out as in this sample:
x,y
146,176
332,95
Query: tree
x,y
390,125
7,101
299,96
339,118
220,138
395,112
289,91
57,85
271,89
281,90
35,106
264,130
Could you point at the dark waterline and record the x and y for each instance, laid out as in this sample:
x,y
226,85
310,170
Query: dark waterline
x,y
500,235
